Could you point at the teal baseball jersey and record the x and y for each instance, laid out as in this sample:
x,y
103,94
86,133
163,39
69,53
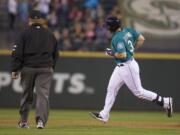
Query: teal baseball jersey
x,y
124,42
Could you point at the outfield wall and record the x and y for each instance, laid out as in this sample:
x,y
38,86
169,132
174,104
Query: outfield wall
x,y
80,82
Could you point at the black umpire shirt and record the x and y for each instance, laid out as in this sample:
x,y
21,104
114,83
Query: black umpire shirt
x,y
35,47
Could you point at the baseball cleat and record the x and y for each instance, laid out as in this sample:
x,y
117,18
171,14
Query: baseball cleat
x,y
40,124
97,116
169,109
23,124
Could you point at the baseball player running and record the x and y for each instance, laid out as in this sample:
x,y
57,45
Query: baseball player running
x,y
123,43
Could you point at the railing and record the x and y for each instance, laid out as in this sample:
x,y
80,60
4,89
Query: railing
x,y
139,55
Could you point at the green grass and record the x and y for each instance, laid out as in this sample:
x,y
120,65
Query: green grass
x,y
74,122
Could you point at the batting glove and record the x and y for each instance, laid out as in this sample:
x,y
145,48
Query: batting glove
x,y
109,52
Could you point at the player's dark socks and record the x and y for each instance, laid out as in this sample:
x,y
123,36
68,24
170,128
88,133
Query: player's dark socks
x,y
159,100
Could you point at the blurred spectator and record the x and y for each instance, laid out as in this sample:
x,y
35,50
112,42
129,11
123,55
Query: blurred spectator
x,y
43,6
89,33
62,13
92,13
52,19
91,3
78,36
32,4
66,40
12,11
75,14
57,35
77,24
100,11
102,36
90,27
91,6
54,5
23,9
116,12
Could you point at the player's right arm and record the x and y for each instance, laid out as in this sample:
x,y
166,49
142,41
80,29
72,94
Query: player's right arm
x,y
139,42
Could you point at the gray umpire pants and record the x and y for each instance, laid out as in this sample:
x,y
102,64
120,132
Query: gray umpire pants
x,y
40,80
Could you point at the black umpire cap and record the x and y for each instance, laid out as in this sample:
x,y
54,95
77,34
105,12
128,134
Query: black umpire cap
x,y
35,14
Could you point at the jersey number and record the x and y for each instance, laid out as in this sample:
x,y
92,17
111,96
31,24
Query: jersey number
x,y
130,47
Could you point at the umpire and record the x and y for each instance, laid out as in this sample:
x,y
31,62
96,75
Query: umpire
x,y
34,55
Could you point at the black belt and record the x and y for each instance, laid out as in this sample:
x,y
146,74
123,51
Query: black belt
x,y
120,65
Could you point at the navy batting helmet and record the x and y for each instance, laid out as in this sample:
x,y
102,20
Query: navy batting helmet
x,y
112,23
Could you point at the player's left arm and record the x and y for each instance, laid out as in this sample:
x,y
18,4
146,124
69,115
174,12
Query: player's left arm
x,y
137,37
139,41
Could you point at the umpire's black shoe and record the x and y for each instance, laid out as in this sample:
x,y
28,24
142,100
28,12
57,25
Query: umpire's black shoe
x,y
169,109
97,116
23,124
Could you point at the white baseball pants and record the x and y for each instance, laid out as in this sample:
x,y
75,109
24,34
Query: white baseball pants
x,y
129,75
